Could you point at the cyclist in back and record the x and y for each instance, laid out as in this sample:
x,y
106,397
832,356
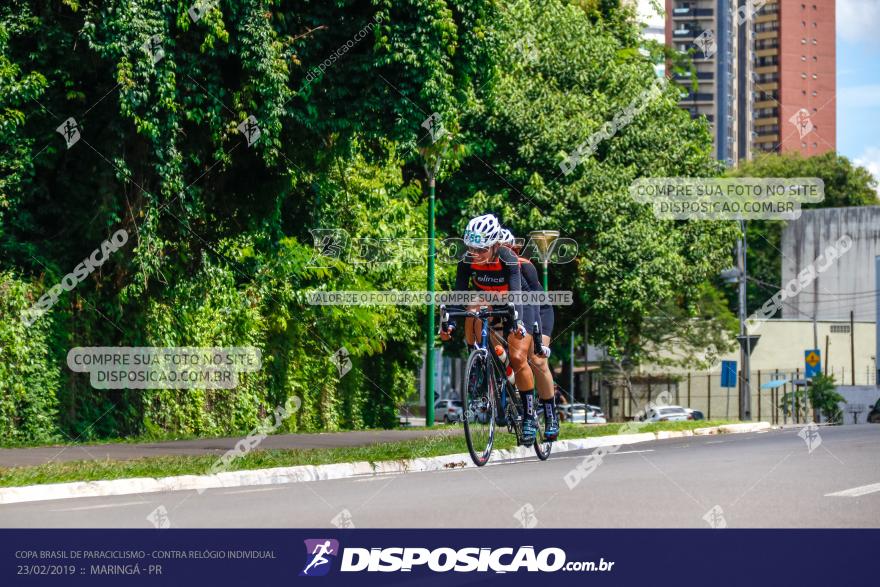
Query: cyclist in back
x,y
489,266
545,318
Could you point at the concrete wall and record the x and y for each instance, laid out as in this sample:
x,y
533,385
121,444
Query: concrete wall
x,y
783,343
848,284
859,400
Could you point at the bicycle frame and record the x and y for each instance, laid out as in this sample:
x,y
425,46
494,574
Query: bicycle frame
x,y
498,386
498,371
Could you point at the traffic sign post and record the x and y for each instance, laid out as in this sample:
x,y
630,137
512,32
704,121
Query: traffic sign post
x,y
813,362
728,373
813,367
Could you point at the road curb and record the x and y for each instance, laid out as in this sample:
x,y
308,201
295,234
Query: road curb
x,y
305,473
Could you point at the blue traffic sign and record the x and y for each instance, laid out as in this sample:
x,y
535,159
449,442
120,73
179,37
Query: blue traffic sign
x,y
813,362
728,373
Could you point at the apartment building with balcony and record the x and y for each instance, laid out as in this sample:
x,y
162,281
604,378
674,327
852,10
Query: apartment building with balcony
x,y
765,72
702,27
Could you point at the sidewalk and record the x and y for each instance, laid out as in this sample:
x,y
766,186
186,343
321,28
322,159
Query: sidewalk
x,y
25,457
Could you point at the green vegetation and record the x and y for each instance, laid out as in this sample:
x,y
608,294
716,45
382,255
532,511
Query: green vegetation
x,y
443,444
825,399
222,233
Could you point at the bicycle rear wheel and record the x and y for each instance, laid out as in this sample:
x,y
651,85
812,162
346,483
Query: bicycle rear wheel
x,y
542,448
479,407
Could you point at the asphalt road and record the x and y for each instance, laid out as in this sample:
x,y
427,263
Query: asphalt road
x,y
768,479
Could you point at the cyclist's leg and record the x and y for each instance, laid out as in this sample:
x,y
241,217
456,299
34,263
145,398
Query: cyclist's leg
x,y
541,371
519,360
472,328
546,395
518,350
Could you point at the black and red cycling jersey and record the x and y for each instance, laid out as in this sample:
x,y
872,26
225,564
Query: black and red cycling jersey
x,y
500,275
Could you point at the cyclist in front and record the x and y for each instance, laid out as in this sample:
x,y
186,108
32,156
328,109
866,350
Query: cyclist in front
x,y
540,366
492,267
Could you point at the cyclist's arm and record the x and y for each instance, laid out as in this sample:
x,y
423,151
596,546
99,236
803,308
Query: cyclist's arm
x,y
532,283
513,276
462,282
545,314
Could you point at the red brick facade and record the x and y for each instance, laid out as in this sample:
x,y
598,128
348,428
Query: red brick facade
x,y
807,76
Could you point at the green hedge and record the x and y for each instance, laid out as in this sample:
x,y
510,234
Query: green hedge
x,y
29,373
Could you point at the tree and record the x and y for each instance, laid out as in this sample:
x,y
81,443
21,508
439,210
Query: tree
x,y
845,185
220,244
562,73
825,399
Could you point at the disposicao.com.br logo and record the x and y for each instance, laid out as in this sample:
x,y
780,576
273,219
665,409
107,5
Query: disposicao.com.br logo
x,y
442,560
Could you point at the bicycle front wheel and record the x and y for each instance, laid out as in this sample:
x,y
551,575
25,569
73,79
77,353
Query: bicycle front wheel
x,y
479,405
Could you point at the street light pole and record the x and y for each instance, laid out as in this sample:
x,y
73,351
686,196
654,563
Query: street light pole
x,y
544,240
429,339
433,156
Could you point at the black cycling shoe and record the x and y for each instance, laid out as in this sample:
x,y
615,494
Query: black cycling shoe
x,y
529,430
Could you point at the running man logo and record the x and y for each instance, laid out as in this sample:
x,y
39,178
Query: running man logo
x,y
319,554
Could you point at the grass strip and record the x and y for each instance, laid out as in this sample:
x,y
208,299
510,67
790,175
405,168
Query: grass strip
x,y
442,444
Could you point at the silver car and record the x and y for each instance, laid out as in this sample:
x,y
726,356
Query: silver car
x,y
447,410
666,414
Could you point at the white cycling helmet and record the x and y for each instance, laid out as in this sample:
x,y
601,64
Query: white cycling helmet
x,y
506,238
482,231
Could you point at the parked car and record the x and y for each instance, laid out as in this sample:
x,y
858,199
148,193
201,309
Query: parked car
x,y
580,413
666,414
874,414
697,414
447,410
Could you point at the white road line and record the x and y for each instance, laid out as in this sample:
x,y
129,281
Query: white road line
x,y
581,457
258,490
856,491
101,507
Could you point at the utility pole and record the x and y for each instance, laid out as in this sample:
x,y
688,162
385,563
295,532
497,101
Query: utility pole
x,y
571,369
877,320
745,408
852,348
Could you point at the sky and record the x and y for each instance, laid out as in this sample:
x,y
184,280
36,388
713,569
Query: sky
x,y
858,82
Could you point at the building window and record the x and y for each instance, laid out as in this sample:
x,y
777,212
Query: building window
x,y
803,75
803,57
815,76
803,41
815,93
840,328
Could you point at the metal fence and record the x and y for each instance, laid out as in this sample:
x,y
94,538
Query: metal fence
x,y
703,392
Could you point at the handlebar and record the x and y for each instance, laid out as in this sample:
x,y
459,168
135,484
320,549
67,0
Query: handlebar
x,y
508,313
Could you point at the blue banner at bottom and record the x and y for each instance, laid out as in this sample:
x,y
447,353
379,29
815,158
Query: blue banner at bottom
x,y
436,557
